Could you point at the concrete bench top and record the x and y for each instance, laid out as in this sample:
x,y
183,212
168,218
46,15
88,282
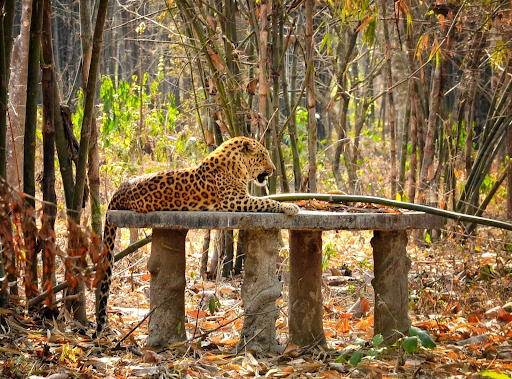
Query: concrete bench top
x,y
305,220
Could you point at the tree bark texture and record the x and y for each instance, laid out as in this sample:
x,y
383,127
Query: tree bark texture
x,y
85,135
48,89
167,298
260,290
391,103
29,151
306,302
6,24
29,148
311,97
390,284
18,99
263,81
94,157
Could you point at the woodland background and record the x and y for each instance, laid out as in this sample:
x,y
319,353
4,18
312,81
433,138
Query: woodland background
x,y
408,100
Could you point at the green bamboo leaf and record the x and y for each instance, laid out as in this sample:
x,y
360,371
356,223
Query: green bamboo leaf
x,y
211,305
356,357
409,24
494,375
424,337
369,33
410,344
377,340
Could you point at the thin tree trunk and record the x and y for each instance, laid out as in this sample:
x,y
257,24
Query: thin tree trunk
x,y
3,99
277,40
509,173
292,125
48,85
8,8
85,136
391,119
94,156
6,24
29,151
263,84
78,305
427,169
412,121
341,124
403,147
18,99
311,97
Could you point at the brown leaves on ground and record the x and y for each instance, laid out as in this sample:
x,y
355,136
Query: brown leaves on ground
x,y
458,293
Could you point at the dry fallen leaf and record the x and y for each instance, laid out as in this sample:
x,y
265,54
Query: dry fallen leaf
x,y
150,356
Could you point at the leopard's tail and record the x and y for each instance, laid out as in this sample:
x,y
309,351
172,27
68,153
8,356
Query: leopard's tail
x,y
103,287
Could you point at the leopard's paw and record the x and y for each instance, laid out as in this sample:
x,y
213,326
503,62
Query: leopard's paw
x,y
290,209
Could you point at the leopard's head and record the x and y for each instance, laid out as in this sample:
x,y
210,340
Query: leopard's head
x,y
257,160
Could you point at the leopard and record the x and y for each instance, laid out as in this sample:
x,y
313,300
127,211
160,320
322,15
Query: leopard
x,y
218,183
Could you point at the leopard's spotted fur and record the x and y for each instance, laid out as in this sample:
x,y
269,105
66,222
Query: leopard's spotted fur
x,y
219,183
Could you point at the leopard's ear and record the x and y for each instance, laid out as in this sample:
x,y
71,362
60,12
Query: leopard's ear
x,y
248,146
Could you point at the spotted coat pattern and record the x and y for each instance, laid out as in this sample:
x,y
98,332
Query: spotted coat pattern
x,y
219,183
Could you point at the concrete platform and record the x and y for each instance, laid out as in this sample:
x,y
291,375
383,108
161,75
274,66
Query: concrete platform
x,y
261,287
305,220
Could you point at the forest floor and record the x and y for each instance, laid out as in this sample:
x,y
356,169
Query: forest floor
x,y
459,294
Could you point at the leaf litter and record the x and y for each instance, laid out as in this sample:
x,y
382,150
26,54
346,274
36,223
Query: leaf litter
x,y
459,297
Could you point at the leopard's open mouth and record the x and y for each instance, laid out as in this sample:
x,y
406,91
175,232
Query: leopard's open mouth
x,y
262,179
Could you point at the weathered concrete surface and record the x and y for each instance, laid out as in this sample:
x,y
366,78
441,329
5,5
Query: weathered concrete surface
x,y
306,310
260,290
390,284
305,220
167,297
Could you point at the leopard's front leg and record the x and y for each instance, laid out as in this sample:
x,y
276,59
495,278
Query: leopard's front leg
x,y
233,202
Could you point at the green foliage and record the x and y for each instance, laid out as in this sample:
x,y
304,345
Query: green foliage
x,y
418,337
409,344
500,54
301,120
329,252
369,33
358,354
213,304
138,120
494,375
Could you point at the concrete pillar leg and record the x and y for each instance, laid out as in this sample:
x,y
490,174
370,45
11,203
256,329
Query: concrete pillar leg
x,y
306,302
260,290
390,284
167,298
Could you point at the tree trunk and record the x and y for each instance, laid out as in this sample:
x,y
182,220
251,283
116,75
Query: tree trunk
x,y
85,136
94,156
48,85
263,82
427,169
6,24
29,151
78,305
391,119
311,97
412,121
18,99
509,173
292,125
